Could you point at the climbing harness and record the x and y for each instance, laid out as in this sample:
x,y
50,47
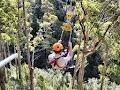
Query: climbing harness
x,y
55,60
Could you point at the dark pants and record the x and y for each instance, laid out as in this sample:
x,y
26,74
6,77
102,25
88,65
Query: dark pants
x,y
68,69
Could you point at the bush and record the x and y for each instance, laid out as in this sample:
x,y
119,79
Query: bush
x,y
53,80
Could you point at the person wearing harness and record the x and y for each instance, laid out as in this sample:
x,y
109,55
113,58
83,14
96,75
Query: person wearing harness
x,y
59,59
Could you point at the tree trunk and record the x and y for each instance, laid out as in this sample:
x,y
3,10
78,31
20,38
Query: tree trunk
x,y
16,65
104,68
31,79
76,64
32,72
81,73
2,71
18,50
8,53
103,76
2,79
28,49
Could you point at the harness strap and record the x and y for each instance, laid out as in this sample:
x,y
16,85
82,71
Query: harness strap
x,y
54,62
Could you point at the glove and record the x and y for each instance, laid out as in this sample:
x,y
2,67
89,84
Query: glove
x,y
59,41
69,43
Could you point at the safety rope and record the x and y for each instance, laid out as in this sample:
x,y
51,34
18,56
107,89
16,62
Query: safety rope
x,y
61,35
67,21
70,36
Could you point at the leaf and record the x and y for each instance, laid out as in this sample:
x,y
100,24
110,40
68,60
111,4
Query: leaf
x,y
5,37
106,24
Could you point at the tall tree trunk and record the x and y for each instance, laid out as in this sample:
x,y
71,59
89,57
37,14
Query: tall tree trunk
x,y
2,71
8,53
77,62
18,50
28,49
32,72
16,64
105,58
76,66
103,75
81,73
5,69
2,79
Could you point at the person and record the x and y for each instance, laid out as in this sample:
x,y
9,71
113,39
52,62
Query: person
x,y
59,58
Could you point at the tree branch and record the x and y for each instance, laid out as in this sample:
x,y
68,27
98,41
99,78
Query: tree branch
x,y
98,43
103,11
84,31
81,3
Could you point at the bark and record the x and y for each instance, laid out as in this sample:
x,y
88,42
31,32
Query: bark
x,y
81,69
98,43
18,50
103,77
86,50
104,68
77,62
83,58
81,74
16,64
5,56
2,71
28,49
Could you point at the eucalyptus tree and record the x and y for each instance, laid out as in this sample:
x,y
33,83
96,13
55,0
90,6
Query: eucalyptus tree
x,y
97,19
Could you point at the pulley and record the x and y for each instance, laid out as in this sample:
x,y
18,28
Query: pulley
x,y
67,27
69,15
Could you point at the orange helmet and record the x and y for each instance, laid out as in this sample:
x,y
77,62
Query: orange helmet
x,y
57,47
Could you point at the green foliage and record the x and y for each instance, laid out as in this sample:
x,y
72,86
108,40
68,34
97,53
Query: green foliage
x,y
92,5
54,80
94,84
114,73
5,37
43,80
33,43
97,21
8,20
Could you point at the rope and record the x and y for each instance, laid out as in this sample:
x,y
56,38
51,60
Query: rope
x,y
61,35
67,22
70,36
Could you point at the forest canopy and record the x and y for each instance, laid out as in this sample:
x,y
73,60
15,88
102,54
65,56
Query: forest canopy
x,y
30,28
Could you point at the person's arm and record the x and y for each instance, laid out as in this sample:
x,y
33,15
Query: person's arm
x,y
70,52
50,57
60,41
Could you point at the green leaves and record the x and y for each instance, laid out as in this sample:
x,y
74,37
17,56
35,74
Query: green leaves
x,y
114,72
50,80
92,5
8,19
5,37
37,40
105,25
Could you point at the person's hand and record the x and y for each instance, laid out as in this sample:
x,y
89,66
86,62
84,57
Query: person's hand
x,y
59,41
69,43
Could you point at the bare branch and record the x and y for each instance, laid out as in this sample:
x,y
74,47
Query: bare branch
x,y
81,2
98,43
103,11
84,31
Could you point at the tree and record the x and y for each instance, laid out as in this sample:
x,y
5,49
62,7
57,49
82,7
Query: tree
x,y
88,23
